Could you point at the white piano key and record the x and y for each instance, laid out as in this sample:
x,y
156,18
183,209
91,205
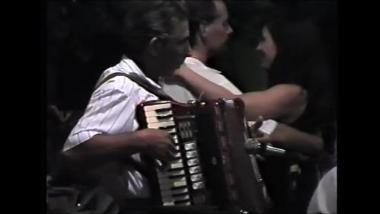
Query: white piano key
x,y
166,124
171,181
181,198
176,173
180,191
158,120
172,193
166,113
176,161
176,165
168,203
169,174
183,203
179,183
158,106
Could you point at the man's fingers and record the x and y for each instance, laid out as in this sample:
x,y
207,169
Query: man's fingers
x,y
264,139
258,123
259,134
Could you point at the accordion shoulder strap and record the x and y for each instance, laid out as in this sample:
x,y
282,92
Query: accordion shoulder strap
x,y
141,82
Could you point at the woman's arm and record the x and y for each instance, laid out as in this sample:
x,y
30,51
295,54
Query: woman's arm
x,y
292,139
285,102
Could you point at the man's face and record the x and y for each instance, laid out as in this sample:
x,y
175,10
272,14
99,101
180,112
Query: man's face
x,y
268,49
175,48
217,32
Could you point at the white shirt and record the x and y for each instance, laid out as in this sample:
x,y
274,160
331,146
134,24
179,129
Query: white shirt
x,y
178,91
324,198
111,110
181,94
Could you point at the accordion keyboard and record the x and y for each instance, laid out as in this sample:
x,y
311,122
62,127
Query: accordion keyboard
x,y
181,177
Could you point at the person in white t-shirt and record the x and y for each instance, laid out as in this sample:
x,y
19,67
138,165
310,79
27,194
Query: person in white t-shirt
x,y
209,30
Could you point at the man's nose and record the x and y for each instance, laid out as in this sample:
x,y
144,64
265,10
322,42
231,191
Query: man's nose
x,y
259,47
229,29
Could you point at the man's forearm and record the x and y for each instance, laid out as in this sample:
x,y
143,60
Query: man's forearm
x,y
103,148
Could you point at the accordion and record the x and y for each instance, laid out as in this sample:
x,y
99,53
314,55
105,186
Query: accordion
x,y
211,166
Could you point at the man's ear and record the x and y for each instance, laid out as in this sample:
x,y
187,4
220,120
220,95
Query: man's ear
x,y
155,45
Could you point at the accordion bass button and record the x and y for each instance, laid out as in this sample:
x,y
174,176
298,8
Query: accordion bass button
x,y
193,162
194,169
196,177
191,154
198,185
190,145
175,139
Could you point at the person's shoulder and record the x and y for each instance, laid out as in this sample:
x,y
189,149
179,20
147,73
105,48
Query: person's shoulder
x,y
118,84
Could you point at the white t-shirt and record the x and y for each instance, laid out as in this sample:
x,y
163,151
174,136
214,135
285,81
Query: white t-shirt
x,y
111,110
181,94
